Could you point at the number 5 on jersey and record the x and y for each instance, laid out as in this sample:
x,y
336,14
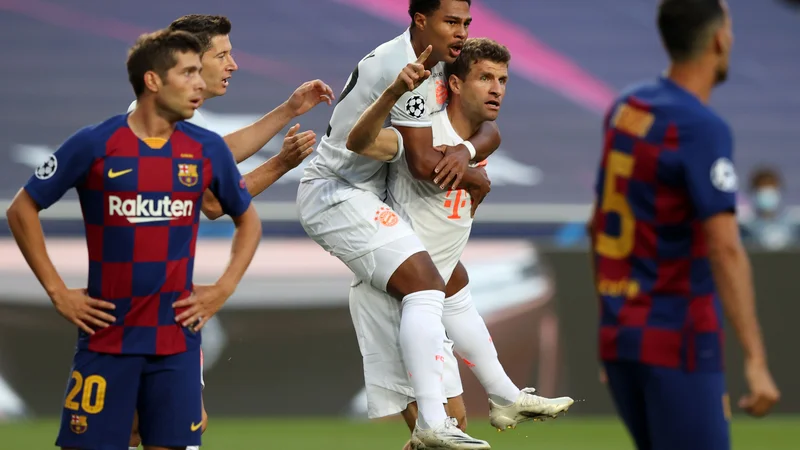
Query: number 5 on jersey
x,y
94,393
618,166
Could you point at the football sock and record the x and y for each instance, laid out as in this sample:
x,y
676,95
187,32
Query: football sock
x,y
422,346
472,342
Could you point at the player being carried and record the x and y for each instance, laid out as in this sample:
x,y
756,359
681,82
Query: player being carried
x,y
213,32
140,179
666,250
442,220
341,198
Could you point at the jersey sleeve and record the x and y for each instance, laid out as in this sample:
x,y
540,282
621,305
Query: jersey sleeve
x,y
411,110
227,182
63,170
709,170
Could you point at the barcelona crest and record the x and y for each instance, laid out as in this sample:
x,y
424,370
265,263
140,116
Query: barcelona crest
x,y
78,424
187,174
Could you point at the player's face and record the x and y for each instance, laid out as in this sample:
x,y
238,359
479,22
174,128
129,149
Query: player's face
x,y
182,90
724,43
483,91
218,66
447,29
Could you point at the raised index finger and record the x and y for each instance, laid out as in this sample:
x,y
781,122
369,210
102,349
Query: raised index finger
x,y
424,55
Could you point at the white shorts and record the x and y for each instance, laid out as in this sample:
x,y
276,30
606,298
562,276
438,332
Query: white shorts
x,y
376,318
357,230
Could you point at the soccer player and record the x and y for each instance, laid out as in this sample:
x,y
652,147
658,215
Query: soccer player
x,y
666,250
341,207
213,32
140,178
442,220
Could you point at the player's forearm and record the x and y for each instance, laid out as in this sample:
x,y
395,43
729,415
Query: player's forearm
x,y
23,220
257,180
243,248
486,140
733,278
366,136
473,179
246,141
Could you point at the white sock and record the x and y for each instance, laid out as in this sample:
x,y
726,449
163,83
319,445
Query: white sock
x,y
422,345
472,342
133,448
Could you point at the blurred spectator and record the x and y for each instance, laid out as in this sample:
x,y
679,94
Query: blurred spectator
x,y
769,227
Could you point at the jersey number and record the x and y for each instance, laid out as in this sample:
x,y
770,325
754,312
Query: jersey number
x,y
351,83
619,165
91,404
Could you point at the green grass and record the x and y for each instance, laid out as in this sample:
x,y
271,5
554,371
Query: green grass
x,y
566,433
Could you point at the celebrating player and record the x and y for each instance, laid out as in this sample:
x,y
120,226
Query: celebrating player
x,y
666,248
340,199
213,32
442,220
140,179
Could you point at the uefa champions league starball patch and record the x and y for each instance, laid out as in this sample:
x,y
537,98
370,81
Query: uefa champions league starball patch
x,y
415,106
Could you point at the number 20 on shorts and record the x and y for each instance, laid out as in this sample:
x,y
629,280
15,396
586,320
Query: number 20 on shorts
x,y
93,398
618,165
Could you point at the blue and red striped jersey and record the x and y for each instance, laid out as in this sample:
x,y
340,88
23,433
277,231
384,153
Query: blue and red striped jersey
x,y
141,202
666,167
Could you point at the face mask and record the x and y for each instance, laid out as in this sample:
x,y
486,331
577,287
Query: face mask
x,y
767,199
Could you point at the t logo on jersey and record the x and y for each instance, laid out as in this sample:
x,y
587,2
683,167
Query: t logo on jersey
x,y
455,204
187,174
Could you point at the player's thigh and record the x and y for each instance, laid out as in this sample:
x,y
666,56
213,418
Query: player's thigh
x,y
100,401
626,385
399,267
458,280
170,401
686,410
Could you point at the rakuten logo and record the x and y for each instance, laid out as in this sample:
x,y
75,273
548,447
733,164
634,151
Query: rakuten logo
x,y
142,210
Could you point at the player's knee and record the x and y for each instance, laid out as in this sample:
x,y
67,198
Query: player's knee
x,y
417,273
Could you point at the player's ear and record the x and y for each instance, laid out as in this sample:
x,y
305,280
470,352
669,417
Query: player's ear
x,y
455,84
420,21
152,81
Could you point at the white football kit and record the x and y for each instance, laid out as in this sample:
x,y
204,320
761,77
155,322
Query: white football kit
x,y
341,196
442,222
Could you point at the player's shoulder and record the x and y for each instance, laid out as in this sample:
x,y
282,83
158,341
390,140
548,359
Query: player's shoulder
x,y
391,56
210,140
99,132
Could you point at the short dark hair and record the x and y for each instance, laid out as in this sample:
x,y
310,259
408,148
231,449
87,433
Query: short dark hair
x,y
475,50
426,7
205,27
157,52
764,175
686,25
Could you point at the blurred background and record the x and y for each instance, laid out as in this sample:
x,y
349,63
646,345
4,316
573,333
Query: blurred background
x,y
282,365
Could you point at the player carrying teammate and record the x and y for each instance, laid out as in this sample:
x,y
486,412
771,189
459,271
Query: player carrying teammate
x,y
213,32
340,199
666,249
140,179
442,220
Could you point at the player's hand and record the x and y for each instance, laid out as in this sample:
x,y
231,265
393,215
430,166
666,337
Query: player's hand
x,y
763,391
204,302
412,75
309,95
479,193
77,307
452,167
296,147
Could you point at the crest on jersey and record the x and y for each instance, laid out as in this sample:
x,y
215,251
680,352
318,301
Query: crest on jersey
x,y
723,175
415,106
47,169
386,217
78,424
187,174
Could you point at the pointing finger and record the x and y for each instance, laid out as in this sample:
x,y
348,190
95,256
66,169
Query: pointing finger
x,y
424,55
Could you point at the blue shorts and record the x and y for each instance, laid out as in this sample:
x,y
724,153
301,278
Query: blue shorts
x,y
667,409
105,390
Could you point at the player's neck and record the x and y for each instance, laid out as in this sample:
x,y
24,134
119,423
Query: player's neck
x,y
146,121
461,123
694,78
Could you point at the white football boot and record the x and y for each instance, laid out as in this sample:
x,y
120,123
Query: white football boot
x,y
445,436
527,407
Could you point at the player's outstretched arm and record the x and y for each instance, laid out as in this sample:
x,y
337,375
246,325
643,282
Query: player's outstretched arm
x,y
246,141
296,148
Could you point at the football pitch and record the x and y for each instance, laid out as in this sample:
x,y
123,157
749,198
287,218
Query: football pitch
x,y
566,433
